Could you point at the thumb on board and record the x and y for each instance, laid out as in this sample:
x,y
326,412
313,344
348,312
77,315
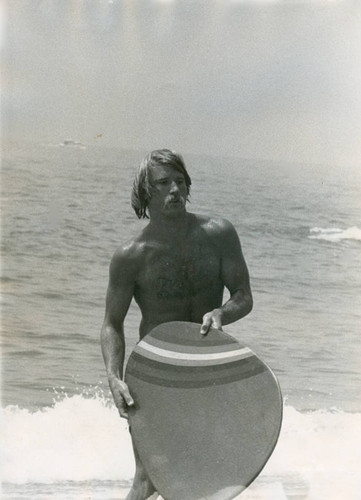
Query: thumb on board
x,y
207,321
127,397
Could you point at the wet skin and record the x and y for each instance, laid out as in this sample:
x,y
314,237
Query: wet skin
x,y
176,270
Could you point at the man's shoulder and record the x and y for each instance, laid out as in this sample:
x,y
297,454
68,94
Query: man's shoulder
x,y
128,255
214,226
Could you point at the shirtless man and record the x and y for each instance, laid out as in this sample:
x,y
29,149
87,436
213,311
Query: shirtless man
x,y
176,270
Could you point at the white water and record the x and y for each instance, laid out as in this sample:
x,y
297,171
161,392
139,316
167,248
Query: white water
x,y
335,234
83,439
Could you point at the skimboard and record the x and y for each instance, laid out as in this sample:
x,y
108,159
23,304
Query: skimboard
x,y
207,411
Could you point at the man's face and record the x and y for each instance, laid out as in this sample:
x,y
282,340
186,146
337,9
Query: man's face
x,y
168,192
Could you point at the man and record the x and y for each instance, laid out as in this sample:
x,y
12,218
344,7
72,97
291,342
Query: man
x,y
176,269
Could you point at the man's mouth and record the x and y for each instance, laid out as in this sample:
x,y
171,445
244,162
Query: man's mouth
x,y
178,202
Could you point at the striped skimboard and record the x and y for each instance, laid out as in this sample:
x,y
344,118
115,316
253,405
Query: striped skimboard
x,y
207,411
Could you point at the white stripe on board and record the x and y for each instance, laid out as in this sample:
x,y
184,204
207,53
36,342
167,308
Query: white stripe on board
x,y
188,362
243,351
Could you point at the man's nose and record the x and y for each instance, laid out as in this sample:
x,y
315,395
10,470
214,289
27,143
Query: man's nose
x,y
174,187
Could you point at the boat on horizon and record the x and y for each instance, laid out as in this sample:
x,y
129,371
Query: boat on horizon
x,y
71,143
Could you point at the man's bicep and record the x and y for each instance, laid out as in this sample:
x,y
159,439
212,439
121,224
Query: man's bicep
x,y
234,268
120,292
117,304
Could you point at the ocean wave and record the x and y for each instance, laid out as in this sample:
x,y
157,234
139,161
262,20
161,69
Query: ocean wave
x,y
335,234
77,439
83,439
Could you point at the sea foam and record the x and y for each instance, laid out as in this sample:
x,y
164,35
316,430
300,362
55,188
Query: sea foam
x,y
84,439
78,439
335,234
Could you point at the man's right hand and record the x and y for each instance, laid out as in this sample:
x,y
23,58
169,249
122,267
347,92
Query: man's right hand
x,y
121,395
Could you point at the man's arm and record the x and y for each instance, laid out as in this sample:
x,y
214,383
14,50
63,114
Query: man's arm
x,y
119,295
235,277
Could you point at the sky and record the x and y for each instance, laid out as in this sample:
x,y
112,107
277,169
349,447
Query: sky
x,y
277,80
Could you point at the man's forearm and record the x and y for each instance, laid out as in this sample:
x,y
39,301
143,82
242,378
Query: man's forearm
x,y
238,306
113,349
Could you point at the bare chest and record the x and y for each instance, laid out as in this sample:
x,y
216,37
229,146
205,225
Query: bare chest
x,y
181,272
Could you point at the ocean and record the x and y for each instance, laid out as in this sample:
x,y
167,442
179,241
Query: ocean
x,y
65,209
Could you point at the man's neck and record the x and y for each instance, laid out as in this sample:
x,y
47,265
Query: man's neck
x,y
170,226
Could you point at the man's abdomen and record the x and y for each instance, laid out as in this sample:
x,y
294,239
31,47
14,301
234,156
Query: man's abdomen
x,y
190,308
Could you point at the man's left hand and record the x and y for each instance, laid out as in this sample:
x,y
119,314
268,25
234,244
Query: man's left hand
x,y
212,319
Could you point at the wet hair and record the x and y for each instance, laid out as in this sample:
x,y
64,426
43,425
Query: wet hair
x,y
141,192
